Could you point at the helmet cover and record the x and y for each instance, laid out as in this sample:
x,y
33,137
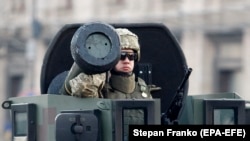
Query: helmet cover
x,y
129,40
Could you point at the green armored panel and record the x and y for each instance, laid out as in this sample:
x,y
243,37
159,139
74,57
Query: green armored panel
x,y
55,117
248,113
211,108
187,116
48,106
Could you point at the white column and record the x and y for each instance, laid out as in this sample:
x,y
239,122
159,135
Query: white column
x,y
3,83
246,64
40,52
193,48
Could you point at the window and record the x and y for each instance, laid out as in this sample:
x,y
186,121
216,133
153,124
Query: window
x,y
224,111
225,80
15,85
65,5
18,6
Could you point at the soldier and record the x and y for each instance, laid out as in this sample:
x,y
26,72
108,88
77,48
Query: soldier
x,y
122,83
119,83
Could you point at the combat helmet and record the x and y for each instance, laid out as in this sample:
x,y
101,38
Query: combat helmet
x,y
129,40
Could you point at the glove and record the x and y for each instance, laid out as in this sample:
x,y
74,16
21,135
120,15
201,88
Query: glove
x,y
87,86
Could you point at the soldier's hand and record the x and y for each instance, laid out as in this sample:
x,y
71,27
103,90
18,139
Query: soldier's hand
x,y
87,86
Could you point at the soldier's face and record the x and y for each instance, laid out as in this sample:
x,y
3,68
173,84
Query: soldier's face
x,y
126,62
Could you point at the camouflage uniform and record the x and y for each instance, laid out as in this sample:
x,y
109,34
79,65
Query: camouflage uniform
x,y
126,86
87,86
119,86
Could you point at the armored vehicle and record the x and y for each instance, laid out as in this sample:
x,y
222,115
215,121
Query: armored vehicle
x,y
55,117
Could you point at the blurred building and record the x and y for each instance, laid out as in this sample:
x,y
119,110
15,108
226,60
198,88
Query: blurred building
x,y
214,35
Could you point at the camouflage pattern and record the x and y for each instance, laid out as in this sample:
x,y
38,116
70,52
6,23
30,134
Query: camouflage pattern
x,y
87,86
129,40
119,86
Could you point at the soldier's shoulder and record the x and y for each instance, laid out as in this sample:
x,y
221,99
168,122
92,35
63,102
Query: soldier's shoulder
x,y
141,81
